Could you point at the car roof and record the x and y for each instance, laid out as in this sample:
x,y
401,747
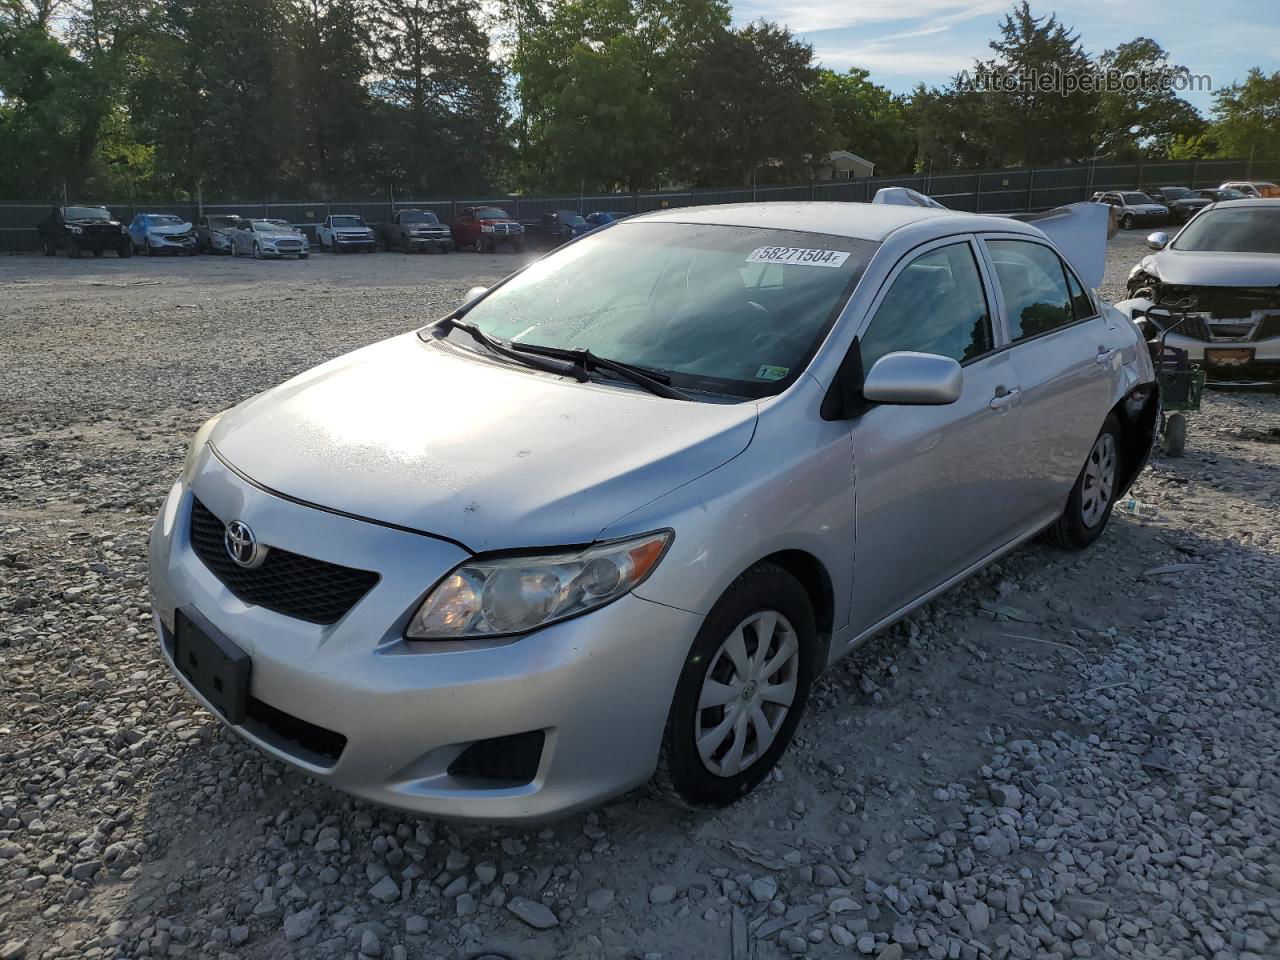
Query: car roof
x,y
859,221
1248,203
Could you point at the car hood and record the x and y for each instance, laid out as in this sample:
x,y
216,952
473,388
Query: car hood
x,y
170,229
274,234
1213,269
93,223
362,231
490,222
495,457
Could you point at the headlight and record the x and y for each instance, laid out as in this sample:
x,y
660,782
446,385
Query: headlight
x,y
487,598
123,228
198,443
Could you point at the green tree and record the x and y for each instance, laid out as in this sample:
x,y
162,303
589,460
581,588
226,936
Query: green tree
x,y
596,83
868,120
1246,117
748,109
443,116
1149,119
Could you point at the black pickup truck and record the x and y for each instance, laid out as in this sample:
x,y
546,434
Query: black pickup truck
x,y
413,230
77,229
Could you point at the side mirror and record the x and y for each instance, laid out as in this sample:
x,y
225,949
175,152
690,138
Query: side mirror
x,y
922,379
1158,240
475,293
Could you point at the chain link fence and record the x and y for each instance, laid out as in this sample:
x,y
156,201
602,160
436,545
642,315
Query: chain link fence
x,y
988,191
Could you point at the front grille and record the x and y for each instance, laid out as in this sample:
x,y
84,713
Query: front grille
x,y
1269,327
287,244
299,736
1191,326
513,760
313,590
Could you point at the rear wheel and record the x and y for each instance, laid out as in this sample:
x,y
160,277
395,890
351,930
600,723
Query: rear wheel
x,y
49,249
742,691
73,249
1126,222
1093,496
125,249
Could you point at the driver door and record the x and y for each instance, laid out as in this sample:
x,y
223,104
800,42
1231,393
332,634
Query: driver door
x,y
933,491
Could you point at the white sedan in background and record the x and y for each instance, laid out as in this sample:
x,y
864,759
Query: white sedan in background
x,y
268,239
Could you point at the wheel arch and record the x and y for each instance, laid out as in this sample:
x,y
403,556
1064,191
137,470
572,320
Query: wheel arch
x,y
1138,412
813,576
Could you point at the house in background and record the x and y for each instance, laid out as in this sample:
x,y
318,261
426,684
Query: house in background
x,y
843,165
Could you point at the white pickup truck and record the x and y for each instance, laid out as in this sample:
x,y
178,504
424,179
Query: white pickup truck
x,y
345,231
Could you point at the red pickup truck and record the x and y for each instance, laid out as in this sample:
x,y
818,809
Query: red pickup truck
x,y
484,228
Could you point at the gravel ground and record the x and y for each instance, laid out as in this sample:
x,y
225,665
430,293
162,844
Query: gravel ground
x,y
1070,755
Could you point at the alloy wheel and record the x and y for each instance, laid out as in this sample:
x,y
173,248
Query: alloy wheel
x,y
747,693
1099,480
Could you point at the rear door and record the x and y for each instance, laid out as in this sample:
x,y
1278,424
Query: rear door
x,y
1068,362
933,484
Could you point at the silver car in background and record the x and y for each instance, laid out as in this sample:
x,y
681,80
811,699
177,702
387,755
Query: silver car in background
x,y
607,521
268,239
1213,291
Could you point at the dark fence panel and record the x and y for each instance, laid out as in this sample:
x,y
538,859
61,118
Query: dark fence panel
x,y
985,191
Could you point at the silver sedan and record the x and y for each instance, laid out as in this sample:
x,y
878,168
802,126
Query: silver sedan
x,y
608,520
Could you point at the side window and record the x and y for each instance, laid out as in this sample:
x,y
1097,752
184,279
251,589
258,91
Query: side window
x,y
936,305
1080,299
1036,299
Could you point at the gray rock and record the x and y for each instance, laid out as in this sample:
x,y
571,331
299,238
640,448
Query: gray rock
x,y
600,899
978,915
369,944
385,890
764,889
535,915
298,925
662,894
416,925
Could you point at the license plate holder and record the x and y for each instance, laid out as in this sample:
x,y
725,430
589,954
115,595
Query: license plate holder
x,y
216,667
1228,356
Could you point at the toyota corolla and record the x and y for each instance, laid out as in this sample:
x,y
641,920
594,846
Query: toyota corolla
x,y
606,521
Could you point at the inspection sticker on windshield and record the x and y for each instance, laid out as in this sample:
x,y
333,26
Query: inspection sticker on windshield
x,y
768,371
805,255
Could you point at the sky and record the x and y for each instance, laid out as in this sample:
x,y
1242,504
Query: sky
x,y
902,42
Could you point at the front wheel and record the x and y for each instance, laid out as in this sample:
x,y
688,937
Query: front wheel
x,y
1126,222
125,249
742,690
1094,494
73,249
257,252
49,249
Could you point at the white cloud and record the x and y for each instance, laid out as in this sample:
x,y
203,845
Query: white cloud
x,y
889,61
810,17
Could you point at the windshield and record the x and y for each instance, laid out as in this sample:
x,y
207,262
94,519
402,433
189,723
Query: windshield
x,y
166,220
721,309
491,213
1137,198
1232,230
86,213
272,226
1231,195
1176,193
419,218
348,222
569,217
223,222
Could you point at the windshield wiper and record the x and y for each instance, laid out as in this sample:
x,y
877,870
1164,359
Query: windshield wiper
x,y
652,380
548,364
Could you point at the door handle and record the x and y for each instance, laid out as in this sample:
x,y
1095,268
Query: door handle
x,y
1105,355
1004,397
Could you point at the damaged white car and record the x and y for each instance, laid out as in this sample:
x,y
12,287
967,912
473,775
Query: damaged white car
x,y
1214,290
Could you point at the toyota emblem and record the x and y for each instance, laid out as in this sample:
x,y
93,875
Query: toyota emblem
x,y
242,546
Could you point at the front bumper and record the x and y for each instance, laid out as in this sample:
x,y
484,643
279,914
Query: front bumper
x,y
355,243
1147,218
599,686
428,242
1222,358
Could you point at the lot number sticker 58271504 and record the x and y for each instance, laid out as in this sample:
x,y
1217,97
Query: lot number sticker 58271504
x,y
804,255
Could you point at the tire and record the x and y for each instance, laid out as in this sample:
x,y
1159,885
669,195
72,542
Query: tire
x,y
73,249
49,249
257,251
1175,435
125,249
764,593
1085,516
445,248
518,246
1126,222
98,251
151,251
